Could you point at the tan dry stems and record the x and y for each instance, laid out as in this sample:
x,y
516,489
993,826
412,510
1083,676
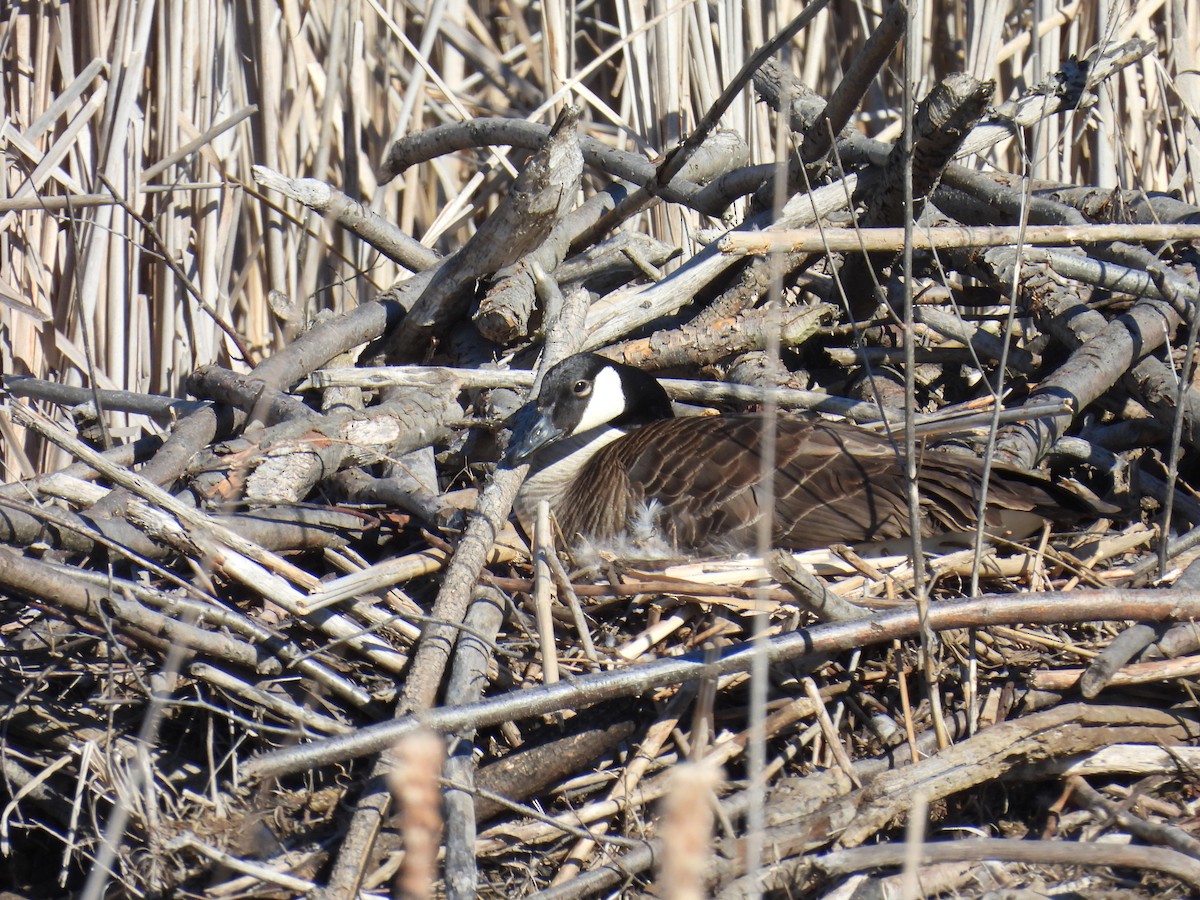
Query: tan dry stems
x,y
687,828
417,766
95,95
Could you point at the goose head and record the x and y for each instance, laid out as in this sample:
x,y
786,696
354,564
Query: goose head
x,y
584,393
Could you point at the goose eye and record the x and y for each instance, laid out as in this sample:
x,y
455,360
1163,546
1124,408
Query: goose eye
x,y
582,388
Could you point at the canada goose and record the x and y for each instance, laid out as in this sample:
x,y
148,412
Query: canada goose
x,y
620,472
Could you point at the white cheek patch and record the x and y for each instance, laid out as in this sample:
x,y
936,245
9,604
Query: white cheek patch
x,y
606,402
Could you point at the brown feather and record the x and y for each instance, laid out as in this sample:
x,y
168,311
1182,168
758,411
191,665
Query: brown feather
x,y
833,484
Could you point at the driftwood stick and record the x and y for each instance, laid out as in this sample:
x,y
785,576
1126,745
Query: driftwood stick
x,y
46,584
349,213
1105,351
280,529
679,156
468,678
186,441
1177,641
152,493
895,356
1092,369
1128,644
539,199
126,455
1116,278
1151,380
1062,607
617,258
291,655
1071,87
428,408
425,674
272,702
772,82
857,80
792,875
1063,730
752,285
817,787
1148,568
810,592
580,229
286,468
153,405
983,343
284,461
458,583
25,524
528,771
247,393
327,340
708,342
1166,835
942,122
257,568
1139,207
686,390
1005,201
503,314
744,180
947,236
1159,670
626,310
489,131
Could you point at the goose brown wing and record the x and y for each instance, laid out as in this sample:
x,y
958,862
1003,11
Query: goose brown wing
x,y
861,494
832,484
836,484
704,475
843,484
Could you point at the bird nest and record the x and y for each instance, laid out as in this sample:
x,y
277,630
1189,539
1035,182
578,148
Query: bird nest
x,y
218,637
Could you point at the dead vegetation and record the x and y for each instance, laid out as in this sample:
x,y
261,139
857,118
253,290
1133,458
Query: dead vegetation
x,y
257,581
